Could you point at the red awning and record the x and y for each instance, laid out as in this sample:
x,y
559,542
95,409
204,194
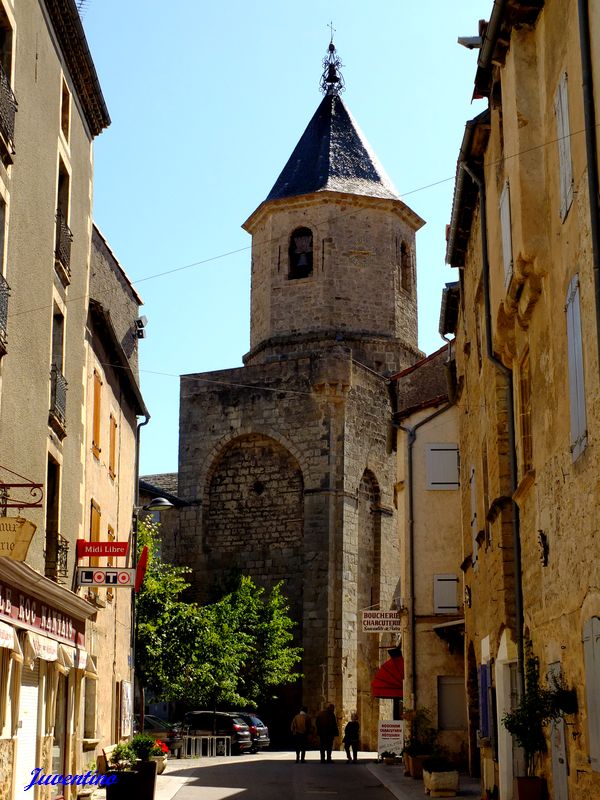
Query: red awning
x,y
389,679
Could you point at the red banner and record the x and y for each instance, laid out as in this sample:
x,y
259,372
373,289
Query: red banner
x,y
101,549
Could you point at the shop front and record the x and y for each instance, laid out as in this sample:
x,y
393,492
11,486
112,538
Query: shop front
x,y
43,667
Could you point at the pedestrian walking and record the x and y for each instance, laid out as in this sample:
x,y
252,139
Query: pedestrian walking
x,y
301,728
351,737
327,729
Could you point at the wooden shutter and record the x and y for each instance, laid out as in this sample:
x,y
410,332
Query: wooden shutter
x,y
442,466
452,703
591,652
445,590
484,717
561,109
473,493
112,446
96,414
576,375
505,226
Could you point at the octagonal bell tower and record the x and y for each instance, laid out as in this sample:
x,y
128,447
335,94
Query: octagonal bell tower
x,y
333,248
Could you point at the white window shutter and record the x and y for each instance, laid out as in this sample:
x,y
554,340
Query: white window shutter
x,y
591,652
576,374
445,594
505,225
442,466
561,109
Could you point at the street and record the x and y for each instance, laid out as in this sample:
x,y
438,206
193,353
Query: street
x,y
269,776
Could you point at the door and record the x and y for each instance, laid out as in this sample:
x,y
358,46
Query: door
x,y
559,750
27,733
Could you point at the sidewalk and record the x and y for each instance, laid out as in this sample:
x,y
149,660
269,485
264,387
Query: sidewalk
x,y
182,771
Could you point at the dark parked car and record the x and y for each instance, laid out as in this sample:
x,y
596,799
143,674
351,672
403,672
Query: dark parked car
x,y
258,730
169,734
218,723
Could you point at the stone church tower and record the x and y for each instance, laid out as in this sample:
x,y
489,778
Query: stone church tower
x,y
290,456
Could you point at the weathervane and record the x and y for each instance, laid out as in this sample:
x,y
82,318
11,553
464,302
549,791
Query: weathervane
x,y
332,81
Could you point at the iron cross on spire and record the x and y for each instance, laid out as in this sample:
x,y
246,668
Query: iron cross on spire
x,y
332,81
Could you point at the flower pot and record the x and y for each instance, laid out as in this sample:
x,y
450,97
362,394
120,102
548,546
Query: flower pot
x,y
389,761
161,763
530,788
441,784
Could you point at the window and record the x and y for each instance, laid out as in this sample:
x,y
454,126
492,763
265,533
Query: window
x,y
95,520
65,110
97,390
576,375
64,237
60,733
8,103
525,415
301,254
442,466
112,446
445,592
404,259
484,685
591,652
90,689
563,134
505,227
452,703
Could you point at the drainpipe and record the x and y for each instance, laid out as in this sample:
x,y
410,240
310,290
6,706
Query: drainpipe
x,y
412,436
591,150
516,524
136,507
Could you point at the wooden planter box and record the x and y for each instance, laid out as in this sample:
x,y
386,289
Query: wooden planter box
x,y
138,784
441,784
415,765
530,788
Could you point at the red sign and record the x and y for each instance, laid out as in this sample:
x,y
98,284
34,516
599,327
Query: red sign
x,y
101,549
26,611
141,569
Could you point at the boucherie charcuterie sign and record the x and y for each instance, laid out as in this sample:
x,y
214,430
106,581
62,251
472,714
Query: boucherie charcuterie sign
x,y
29,612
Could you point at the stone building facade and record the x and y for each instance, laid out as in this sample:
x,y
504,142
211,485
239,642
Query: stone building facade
x,y
524,235
288,458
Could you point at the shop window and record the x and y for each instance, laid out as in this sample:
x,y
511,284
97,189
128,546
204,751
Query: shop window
x,y
452,703
442,466
97,400
90,693
301,254
112,446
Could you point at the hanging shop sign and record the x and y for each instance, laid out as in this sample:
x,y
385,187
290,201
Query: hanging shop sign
x,y
106,576
24,611
381,621
101,549
16,534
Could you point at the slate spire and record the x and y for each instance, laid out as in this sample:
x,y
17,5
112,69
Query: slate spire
x,y
332,154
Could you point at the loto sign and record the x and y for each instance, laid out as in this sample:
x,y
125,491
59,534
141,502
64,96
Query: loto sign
x,y
380,621
16,534
106,576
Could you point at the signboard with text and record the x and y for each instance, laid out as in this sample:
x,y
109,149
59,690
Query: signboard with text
x,y
16,534
390,737
106,576
380,621
101,549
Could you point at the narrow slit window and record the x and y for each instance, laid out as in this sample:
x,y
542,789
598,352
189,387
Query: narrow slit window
x,y
301,254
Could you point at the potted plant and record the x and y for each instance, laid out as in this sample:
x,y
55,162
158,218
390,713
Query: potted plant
x,y
563,699
160,753
135,770
526,724
121,764
440,777
389,757
421,740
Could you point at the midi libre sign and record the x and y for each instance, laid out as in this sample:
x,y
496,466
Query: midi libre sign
x,y
101,549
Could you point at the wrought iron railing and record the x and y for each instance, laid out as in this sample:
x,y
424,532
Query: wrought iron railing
x,y
58,395
56,557
4,293
64,237
8,107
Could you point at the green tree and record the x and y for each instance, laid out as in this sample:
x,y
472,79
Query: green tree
x,y
232,652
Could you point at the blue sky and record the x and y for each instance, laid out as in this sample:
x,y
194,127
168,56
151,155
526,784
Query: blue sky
x,y
207,102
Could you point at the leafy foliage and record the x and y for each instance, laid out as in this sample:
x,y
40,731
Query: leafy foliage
x,y
232,652
535,710
423,736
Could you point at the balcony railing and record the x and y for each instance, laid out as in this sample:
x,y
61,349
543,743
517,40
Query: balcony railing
x,y
4,293
58,395
57,558
8,108
64,237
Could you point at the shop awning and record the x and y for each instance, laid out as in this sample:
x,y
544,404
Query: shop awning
x,y
72,657
10,640
389,679
453,633
37,646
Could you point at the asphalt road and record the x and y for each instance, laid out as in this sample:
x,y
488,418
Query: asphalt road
x,y
276,776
